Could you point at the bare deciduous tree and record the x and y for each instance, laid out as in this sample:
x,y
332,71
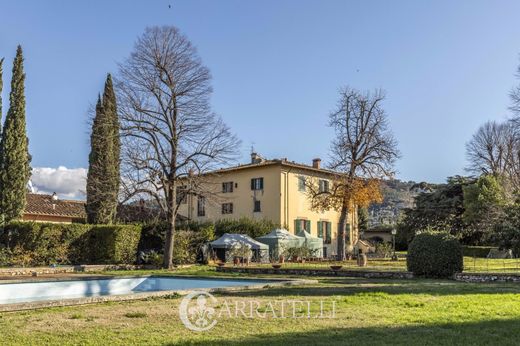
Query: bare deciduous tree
x,y
515,99
170,136
363,151
492,148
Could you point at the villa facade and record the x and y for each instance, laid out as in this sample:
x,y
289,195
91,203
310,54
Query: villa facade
x,y
273,190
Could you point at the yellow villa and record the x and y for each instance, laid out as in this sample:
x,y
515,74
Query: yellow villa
x,y
273,190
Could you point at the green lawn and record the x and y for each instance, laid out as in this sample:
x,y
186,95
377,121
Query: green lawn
x,y
374,312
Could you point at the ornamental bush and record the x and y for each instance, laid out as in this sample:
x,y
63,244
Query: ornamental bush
x,y
435,255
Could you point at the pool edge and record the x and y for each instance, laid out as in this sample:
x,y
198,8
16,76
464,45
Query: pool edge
x,y
145,295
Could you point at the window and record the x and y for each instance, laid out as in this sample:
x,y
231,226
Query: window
x,y
302,225
328,233
347,231
201,206
257,206
227,208
301,183
257,184
325,231
227,187
181,195
324,185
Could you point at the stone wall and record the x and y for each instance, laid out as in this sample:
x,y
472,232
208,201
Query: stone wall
x,y
486,277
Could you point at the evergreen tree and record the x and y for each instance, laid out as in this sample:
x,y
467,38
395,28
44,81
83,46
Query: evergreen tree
x,y
103,174
15,169
1,87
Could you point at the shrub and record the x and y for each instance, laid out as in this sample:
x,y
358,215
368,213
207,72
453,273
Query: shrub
x,y
434,254
384,249
188,241
110,244
251,227
41,243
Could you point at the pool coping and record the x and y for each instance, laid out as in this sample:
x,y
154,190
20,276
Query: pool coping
x,y
272,282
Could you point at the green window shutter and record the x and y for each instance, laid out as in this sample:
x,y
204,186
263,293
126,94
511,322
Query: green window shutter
x,y
308,226
297,225
328,233
320,229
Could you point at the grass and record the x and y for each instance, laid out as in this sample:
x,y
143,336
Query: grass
x,y
368,311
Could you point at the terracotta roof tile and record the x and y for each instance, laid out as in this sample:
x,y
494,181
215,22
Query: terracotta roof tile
x,y
44,205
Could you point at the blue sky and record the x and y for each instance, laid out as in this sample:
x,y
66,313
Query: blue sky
x,y
447,67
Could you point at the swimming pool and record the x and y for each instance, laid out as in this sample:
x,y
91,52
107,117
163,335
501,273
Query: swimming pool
x,y
41,291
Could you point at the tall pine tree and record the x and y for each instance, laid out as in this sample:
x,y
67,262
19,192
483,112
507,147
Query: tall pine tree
x,y
104,160
15,169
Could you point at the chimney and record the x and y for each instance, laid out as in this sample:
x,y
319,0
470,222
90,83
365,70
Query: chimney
x,y
54,196
255,158
316,163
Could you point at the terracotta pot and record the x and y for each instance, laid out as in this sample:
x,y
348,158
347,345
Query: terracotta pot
x,y
221,264
236,261
276,266
282,259
336,267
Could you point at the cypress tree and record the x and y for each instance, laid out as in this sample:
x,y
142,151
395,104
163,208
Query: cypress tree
x,y
1,87
113,165
104,164
15,169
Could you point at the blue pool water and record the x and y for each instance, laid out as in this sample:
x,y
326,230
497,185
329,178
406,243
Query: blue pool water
x,y
11,293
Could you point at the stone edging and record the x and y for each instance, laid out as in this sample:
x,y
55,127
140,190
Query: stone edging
x,y
20,271
486,277
144,295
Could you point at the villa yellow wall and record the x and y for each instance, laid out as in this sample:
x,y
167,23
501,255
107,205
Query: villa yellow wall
x,y
296,205
281,200
242,196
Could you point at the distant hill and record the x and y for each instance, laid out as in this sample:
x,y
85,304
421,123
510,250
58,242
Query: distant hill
x,y
397,195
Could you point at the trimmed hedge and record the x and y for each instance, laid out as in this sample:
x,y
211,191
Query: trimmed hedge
x,y
435,255
38,244
478,251
252,227
116,244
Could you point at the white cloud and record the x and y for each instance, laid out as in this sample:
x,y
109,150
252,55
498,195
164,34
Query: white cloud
x,y
68,183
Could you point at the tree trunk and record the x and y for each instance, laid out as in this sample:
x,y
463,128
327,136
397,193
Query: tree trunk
x,y
341,233
170,232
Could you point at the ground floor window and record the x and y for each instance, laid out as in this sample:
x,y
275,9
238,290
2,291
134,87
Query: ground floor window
x,y
301,225
257,207
325,231
201,206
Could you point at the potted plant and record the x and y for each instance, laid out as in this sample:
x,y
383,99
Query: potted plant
x,y
241,252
